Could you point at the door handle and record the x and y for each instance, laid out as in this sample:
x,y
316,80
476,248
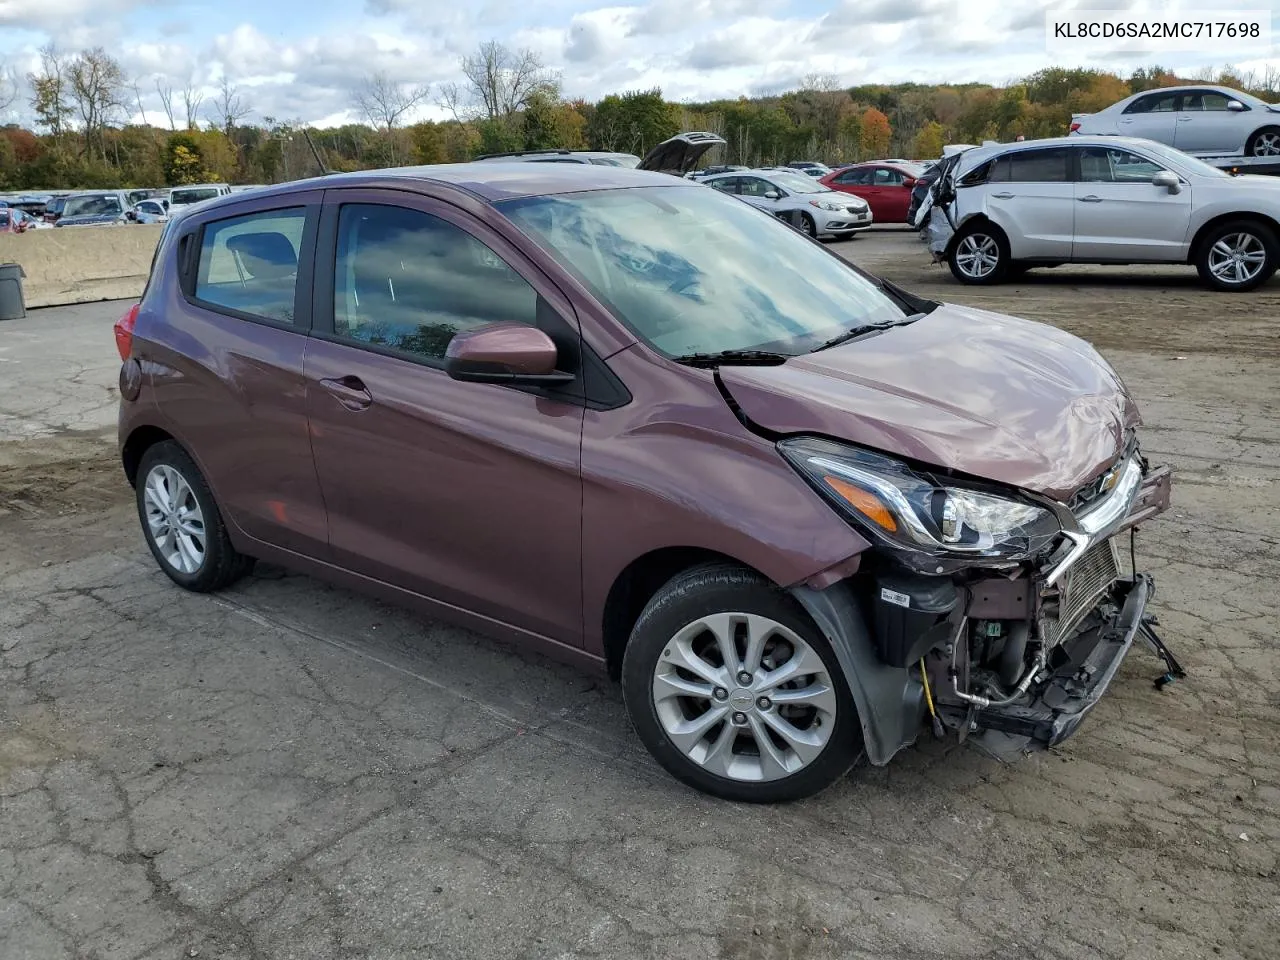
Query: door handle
x,y
1090,199
1002,196
1185,119
349,391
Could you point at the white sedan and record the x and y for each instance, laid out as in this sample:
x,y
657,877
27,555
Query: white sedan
x,y
1006,208
798,199
1204,121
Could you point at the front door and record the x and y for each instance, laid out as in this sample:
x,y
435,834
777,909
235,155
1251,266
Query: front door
x,y
891,196
1205,125
1121,215
467,493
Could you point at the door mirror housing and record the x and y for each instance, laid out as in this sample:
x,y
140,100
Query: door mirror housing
x,y
513,353
1168,180
1235,106
772,195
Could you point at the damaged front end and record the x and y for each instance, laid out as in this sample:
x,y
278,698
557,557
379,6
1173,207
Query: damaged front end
x,y
1002,618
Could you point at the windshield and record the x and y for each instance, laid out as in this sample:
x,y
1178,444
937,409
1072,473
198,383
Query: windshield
x,y
192,196
691,270
621,160
1184,160
797,183
92,207
55,205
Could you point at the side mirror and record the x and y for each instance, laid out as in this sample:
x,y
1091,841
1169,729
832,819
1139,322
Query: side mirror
x,y
1235,106
504,353
772,195
1168,180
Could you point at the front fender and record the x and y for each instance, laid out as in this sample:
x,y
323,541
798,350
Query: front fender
x,y
890,701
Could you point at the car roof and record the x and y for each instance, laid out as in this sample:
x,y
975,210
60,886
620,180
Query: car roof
x,y
489,180
197,186
585,154
977,155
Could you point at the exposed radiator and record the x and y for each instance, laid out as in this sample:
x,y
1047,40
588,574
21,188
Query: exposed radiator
x,y
1081,588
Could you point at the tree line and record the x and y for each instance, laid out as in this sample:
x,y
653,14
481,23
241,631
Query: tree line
x,y
92,129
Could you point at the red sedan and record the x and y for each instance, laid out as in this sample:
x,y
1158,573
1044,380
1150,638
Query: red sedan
x,y
885,185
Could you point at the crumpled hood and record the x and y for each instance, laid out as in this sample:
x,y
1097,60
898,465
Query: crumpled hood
x,y
988,395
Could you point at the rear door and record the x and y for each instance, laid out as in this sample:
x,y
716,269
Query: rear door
x,y
1120,215
1029,193
467,493
1205,125
225,353
1152,117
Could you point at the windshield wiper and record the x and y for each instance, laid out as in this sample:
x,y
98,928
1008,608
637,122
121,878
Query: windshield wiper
x,y
761,357
866,328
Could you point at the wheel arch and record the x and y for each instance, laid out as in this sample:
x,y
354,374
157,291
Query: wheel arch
x,y
976,219
637,584
1197,241
135,446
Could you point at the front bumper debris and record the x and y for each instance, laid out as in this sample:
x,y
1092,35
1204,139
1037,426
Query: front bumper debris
x,y
1061,702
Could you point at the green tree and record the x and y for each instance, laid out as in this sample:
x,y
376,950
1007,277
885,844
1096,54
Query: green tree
x,y
635,121
183,162
928,143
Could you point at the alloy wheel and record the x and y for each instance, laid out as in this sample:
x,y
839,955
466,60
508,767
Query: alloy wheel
x,y
174,519
978,255
1266,145
744,697
1237,258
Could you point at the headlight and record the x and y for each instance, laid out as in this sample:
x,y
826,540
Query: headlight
x,y
826,205
932,527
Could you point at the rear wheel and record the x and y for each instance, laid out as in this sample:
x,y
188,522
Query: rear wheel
x,y
1264,143
979,255
1237,256
735,692
182,524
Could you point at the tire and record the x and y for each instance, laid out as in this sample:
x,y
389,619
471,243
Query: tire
x,y
1263,143
203,561
1243,249
808,226
728,761
982,242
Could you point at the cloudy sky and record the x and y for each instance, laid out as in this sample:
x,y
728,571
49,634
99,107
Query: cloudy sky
x,y
300,58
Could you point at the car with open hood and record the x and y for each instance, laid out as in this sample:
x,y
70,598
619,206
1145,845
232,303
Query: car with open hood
x,y
677,155
801,514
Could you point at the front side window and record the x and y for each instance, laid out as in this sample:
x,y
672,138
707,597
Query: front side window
x,y
408,281
1112,165
1202,100
888,178
250,264
726,185
691,271
755,187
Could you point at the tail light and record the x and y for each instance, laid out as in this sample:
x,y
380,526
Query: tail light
x,y
124,331
1075,127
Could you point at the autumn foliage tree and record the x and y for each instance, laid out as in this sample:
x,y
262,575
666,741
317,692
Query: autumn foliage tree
x,y
874,134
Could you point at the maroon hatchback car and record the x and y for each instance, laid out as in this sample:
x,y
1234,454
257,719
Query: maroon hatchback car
x,y
801,514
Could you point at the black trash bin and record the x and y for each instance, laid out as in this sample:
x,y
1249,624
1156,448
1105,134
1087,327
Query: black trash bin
x,y
12,304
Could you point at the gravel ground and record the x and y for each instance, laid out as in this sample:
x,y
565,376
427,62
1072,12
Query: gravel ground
x,y
287,770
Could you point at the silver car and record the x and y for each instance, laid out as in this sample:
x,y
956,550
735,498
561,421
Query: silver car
x,y
1201,120
799,199
1006,208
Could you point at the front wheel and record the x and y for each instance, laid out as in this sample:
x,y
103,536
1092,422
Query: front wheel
x,y
808,226
735,692
1237,256
980,255
1264,143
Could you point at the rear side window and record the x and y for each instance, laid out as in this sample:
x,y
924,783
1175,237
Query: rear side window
x,y
1154,103
1032,166
854,176
249,265
407,281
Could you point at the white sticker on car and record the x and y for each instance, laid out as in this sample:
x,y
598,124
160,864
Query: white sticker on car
x,y
892,596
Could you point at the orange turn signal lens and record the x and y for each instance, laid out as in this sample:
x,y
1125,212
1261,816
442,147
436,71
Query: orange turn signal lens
x,y
867,504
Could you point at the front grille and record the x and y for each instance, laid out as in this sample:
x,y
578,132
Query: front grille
x,y
1084,584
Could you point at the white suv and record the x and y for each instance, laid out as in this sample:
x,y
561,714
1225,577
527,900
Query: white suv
x,y
1005,208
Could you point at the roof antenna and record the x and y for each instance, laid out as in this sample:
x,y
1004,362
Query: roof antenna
x,y
324,171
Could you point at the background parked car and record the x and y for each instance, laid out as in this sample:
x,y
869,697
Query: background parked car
x,y
677,155
196,193
810,167
1103,199
800,200
95,208
53,209
715,168
150,211
1201,120
885,185
13,220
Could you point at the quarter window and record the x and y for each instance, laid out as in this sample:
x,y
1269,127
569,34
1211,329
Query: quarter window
x,y
250,264
408,281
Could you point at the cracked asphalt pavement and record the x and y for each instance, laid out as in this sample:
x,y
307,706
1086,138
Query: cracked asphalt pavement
x,y
287,770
